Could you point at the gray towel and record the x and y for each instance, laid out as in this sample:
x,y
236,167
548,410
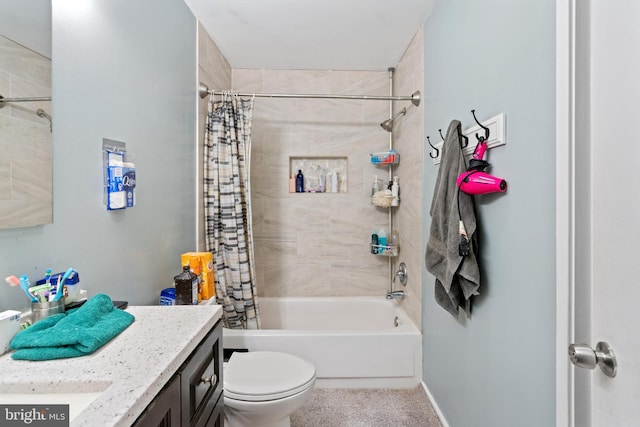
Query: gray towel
x,y
457,277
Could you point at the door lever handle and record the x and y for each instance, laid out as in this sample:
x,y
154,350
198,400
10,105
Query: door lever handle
x,y
583,356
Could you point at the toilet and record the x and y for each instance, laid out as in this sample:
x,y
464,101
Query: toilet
x,y
263,388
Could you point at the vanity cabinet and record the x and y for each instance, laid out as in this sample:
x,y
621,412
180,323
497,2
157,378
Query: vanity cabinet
x,y
193,396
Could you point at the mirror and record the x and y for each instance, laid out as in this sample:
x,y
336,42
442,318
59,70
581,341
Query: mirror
x,y
26,170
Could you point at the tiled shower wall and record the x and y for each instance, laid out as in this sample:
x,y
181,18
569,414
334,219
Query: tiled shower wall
x,y
25,139
316,244
213,71
409,141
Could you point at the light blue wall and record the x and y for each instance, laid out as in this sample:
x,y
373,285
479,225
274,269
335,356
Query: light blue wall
x,y
126,71
498,368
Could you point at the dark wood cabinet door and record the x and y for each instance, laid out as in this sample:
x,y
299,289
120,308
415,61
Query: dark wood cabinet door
x,y
165,410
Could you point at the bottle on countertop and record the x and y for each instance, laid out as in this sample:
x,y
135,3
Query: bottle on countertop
x,y
374,242
168,296
382,239
197,270
299,182
186,284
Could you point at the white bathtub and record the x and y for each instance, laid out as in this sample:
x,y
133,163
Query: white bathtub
x,y
352,341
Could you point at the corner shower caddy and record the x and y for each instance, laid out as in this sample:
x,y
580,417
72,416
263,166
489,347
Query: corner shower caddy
x,y
387,158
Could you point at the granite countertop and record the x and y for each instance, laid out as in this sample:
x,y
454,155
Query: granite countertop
x,y
128,372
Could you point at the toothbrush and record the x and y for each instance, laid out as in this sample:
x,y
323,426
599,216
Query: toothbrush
x,y
40,291
24,284
47,280
12,280
59,291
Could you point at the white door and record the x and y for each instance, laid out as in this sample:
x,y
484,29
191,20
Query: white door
x,y
599,204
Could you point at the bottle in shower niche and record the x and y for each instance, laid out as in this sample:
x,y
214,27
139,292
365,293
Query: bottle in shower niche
x,y
299,182
382,240
335,182
374,242
292,183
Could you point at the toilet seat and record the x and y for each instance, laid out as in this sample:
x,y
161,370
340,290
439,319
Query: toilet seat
x,y
260,376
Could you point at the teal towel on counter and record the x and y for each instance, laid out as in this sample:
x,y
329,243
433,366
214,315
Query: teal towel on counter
x,y
79,332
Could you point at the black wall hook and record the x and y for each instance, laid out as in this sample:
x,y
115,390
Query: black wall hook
x,y
430,152
486,129
462,137
440,131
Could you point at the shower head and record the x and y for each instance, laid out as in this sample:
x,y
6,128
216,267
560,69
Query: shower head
x,y
388,124
41,113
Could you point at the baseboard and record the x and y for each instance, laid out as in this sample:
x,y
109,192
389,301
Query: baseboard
x,y
399,383
439,413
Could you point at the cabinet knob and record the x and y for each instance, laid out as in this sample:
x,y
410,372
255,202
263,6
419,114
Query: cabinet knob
x,y
212,380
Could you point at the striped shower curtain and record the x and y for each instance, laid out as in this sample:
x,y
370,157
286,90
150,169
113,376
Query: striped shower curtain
x,y
227,203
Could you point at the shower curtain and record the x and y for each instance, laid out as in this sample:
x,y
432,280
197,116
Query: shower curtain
x,y
227,202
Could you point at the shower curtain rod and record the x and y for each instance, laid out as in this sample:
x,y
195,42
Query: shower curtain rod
x,y
414,97
4,100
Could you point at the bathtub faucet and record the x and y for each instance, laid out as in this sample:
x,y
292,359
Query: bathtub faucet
x,y
402,274
395,295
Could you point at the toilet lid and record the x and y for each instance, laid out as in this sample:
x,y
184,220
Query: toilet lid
x,y
266,375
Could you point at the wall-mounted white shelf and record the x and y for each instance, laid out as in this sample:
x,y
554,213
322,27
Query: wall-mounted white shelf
x,y
497,136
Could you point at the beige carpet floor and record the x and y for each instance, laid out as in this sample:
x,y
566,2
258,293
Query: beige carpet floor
x,y
366,408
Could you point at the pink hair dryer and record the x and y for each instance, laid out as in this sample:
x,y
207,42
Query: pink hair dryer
x,y
478,182
475,181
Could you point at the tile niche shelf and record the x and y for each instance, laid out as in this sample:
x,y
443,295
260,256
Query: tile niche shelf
x,y
317,169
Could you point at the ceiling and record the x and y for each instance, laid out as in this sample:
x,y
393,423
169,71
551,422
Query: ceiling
x,y
272,34
312,34
27,23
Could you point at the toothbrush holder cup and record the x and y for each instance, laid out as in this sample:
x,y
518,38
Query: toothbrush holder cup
x,y
41,310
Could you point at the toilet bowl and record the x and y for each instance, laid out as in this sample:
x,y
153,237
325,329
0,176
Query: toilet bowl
x,y
263,388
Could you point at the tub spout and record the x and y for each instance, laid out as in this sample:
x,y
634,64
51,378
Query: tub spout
x,y
395,295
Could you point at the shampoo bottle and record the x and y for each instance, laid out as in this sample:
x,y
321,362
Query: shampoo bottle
x,y
395,189
376,185
394,240
335,183
382,240
374,242
292,183
299,182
